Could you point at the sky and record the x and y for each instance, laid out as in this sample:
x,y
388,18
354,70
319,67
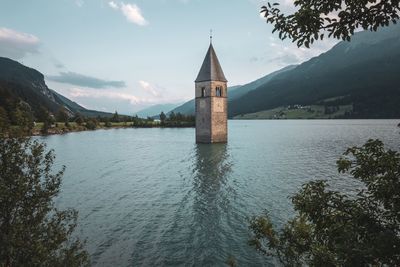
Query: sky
x,y
127,55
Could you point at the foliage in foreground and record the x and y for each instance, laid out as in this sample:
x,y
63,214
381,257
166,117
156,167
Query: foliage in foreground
x,y
32,231
335,229
338,18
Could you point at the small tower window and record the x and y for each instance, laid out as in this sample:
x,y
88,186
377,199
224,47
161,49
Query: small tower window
x,y
218,91
203,92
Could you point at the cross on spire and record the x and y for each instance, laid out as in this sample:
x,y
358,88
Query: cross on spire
x,y
210,36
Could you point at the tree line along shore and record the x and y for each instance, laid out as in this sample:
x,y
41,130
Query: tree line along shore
x,y
46,123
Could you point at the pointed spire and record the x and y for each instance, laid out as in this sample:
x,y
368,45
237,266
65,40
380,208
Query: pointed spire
x,y
211,69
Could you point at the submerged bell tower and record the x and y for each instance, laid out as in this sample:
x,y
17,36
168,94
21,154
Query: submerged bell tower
x,y
211,101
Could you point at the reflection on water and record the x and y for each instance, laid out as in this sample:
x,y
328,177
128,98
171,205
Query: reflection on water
x,y
211,169
198,235
212,194
151,197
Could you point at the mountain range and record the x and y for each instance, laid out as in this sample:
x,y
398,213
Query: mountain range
x,y
363,73
234,92
361,77
155,110
18,82
356,79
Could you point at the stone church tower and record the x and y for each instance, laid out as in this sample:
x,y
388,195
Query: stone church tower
x,y
211,101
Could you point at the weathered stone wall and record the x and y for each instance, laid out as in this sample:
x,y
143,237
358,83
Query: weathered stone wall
x,y
211,113
219,129
203,120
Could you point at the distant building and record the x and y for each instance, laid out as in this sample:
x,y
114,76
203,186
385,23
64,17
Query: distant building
x,y
211,101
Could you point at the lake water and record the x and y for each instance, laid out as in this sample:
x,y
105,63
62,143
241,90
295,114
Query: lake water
x,y
152,197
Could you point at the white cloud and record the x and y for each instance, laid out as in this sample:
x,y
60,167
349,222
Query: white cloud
x,y
133,14
131,11
123,100
289,53
8,34
16,45
262,16
113,5
288,3
91,93
149,88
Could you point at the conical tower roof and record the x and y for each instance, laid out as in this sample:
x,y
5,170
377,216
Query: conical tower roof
x,y
211,69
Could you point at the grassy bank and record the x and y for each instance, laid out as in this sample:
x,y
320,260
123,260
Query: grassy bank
x,y
308,112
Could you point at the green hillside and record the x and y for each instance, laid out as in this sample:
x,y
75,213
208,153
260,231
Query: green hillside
x,y
302,112
186,108
76,108
155,110
363,73
21,83
234,92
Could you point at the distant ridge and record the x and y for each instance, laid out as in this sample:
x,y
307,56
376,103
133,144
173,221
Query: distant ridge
x,y
361,76
363,73
18,82
155,110
234,92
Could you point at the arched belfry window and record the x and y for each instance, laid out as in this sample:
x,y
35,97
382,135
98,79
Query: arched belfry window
x,y
218,91
203,92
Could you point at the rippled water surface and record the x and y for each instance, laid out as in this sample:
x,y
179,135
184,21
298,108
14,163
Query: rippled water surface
x,y
152,197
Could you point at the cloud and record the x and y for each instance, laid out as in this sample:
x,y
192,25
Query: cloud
x,y
287,59
124,100
133,14
289,53
131,11
17,45
81,93
288,3
86,81
150,88
113,5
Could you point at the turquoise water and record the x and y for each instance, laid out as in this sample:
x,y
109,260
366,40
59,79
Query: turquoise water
x,y
152,197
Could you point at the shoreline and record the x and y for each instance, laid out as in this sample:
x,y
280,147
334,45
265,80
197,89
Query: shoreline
x,y
323,119
65,130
